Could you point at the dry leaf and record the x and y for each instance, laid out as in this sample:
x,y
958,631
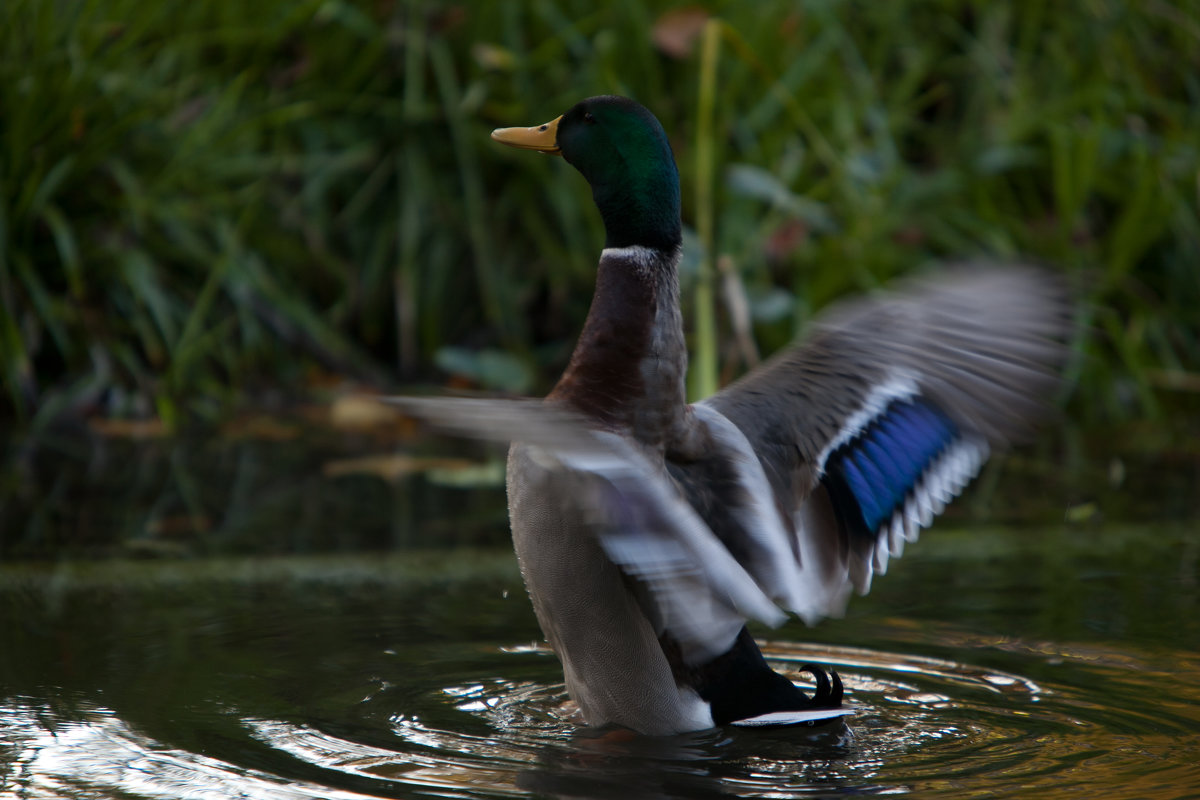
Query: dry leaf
x,y
494,57
675,33
260,428
359,411
392,467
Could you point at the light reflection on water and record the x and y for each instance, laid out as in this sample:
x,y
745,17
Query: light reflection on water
x,y
102,756
929,726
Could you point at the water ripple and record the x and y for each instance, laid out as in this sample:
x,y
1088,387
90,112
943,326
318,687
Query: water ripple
x,y
922,725
102,756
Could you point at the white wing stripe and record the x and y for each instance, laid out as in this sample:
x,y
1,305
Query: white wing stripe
x,y
897,386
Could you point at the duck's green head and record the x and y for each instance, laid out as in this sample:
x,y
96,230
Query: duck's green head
x,y
623,152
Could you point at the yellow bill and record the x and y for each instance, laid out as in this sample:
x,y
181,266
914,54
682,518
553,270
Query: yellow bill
x,y
543,138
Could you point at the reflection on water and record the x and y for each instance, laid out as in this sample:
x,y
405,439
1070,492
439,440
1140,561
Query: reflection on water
x,y
102,756
1014,661
930,726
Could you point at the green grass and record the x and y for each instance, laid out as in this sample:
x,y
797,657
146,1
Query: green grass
x,y
200,202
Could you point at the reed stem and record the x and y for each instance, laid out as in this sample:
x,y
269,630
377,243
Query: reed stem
x,y
703,374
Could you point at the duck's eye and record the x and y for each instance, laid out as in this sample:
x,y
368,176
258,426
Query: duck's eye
x,y
587,117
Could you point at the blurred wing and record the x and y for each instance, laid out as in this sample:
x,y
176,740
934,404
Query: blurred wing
x,y
889,408
702,596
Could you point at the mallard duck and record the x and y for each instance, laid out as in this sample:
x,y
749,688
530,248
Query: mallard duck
x,y
649,531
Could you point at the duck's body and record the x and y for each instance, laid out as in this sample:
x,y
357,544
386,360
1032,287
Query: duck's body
x,y
590,617
621,665
649,530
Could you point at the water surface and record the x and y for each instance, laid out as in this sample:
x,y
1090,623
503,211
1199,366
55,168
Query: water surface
x,y
272,618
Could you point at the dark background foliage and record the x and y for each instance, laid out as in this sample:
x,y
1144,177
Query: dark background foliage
x,y
208,204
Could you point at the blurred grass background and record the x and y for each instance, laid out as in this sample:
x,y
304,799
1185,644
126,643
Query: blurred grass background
x,y
209,204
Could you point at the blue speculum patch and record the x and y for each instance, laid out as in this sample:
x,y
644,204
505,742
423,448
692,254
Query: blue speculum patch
x,y
870,476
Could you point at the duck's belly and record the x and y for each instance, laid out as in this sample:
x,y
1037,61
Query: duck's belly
x,y
614,667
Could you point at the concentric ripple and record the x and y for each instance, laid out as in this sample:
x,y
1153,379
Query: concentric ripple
x,y
922,725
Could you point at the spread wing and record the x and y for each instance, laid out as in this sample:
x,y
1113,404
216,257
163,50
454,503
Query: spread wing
x,y
818,466
696,589
889,407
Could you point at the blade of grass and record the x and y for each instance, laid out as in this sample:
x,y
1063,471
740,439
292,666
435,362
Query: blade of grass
x,y
702,377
